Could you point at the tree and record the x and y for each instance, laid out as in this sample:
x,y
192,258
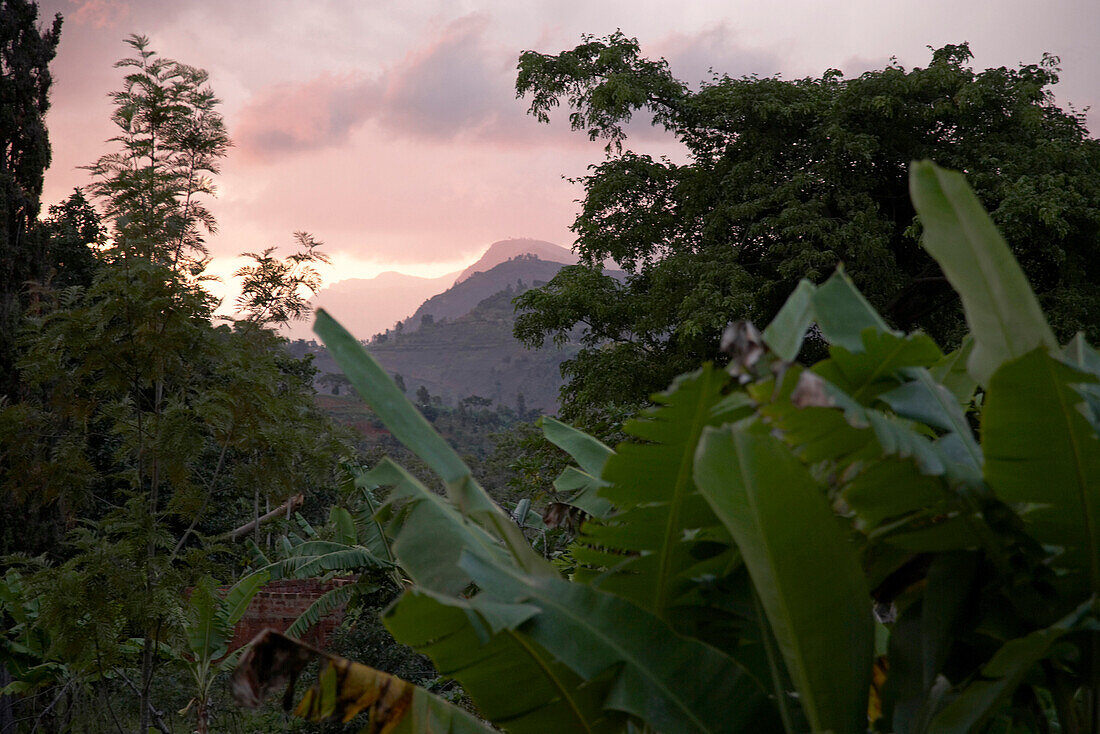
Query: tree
x,y
786,179
335,381
476,401
271,289
172,138
148,315
25,54
73,231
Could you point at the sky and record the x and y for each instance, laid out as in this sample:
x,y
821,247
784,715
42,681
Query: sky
x,y
390,130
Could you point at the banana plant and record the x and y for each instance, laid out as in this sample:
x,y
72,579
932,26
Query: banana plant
x,y
352,544
892,539
25,643
208,630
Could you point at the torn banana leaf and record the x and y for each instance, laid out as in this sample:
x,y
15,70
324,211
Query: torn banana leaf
x,y
343,690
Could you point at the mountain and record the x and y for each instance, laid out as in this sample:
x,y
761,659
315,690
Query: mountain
x,y
474,354
505,250
367,306
459,342
519,273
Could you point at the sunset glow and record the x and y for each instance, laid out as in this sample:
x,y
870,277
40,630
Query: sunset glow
x,y
391,131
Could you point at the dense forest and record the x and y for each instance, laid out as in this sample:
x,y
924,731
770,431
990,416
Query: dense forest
x,y
834,463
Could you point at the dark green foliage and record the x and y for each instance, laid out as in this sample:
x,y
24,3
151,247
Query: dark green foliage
x,y
271,289
73,229
786,179
25,54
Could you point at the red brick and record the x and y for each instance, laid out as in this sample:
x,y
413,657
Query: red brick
x,y
279,603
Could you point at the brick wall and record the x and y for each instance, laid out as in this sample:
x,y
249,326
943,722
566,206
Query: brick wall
x,y
281,602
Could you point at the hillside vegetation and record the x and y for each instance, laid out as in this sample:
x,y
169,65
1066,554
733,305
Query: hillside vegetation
x,y
475,353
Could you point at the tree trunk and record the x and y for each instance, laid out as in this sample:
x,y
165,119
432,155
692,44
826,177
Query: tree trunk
x,y
202,717
287,507
146,681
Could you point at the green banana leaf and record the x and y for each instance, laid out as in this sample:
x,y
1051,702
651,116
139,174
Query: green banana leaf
x,y
318,557
785,333
842,313
579,487
590,453
408,426
803,568
671,682
1043,456
342,521
663,534
206,635
322,606
1001,310
1002,675
518,684
430,534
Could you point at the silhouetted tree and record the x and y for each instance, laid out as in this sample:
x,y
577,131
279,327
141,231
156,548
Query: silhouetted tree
x,y
172,139
25,54
73,228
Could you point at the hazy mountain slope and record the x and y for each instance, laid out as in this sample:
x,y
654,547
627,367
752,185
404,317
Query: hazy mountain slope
x,y
505,250
520,272
367,306
467,347
474,354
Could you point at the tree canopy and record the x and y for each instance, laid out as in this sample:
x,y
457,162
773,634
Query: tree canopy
x,y
786,179
171,140
25,55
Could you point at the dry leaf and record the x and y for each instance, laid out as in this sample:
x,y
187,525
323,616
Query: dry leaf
x,y
343,688
743,343
810,392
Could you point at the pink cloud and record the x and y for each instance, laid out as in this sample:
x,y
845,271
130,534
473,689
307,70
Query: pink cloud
x,y
451,85
456,85
289,118
696,57
99,13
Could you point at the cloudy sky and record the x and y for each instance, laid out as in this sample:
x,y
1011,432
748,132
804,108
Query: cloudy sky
x,y
390,130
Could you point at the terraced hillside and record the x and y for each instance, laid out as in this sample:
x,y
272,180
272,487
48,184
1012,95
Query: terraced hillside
x,y
474,354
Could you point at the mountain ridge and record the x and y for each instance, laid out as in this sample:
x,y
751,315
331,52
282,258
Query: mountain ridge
x,y
369,306
504,250
519,272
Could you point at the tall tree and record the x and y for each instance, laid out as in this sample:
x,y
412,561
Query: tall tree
x,y
25,54
143,418
785,180
171,138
